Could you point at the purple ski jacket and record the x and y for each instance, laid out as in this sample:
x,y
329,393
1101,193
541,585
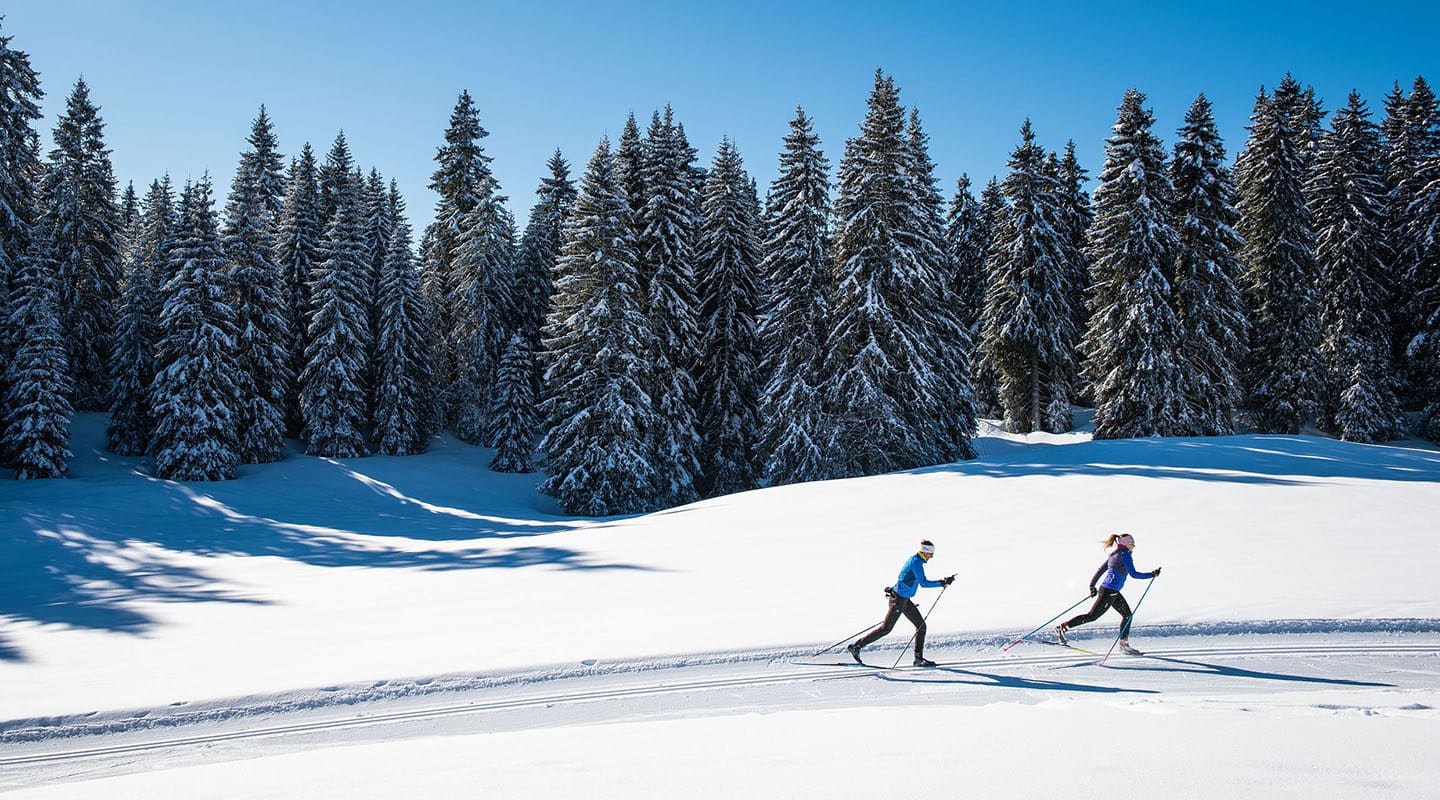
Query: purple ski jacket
x,y
1116,567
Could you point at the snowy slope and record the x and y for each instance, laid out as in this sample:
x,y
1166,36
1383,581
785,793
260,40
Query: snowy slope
x,y
314,579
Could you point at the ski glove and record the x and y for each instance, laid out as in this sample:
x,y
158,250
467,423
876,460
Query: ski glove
x,y
1094,591
948,581
1155,573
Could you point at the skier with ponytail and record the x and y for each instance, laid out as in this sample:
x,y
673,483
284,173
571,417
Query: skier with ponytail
x,y
1116,567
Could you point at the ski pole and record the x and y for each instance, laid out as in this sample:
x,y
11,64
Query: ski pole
x,y
842,641
1043,624
917,630
1125,626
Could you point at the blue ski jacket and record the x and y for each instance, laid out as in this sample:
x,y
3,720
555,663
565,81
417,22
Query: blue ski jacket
x,y
912,577
1116,567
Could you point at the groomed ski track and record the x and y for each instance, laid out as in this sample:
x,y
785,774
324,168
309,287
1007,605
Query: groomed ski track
x,y
1383,656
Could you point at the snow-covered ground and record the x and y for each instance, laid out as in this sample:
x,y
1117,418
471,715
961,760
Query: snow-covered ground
x,y
386,627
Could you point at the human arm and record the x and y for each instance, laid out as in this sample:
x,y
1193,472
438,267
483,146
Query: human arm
x,y
924,581
1130,567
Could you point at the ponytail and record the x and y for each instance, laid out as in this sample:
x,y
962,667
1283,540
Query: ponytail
x,y
1110,541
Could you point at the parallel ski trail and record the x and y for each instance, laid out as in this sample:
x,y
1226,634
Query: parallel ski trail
x,y
793,673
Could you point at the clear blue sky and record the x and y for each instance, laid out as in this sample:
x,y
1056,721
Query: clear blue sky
x,y
179,82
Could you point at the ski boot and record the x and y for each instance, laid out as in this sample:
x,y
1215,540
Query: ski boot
x,y
922,661
855,652
1060,634
1127,649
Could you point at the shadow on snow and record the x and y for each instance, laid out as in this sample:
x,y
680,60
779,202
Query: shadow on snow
x,y
81,552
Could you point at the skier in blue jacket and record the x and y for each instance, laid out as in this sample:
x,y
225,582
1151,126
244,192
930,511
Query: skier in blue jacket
x,y
1116,567
912,577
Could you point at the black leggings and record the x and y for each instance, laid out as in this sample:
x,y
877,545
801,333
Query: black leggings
x,y
1107,598
899,605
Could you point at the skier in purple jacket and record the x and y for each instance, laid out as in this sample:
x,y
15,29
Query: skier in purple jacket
x,y
912,576
1116,567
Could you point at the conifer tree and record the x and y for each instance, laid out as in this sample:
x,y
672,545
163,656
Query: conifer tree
x,y
728,256
335,178
966,236
332,394
1078,216
84,225
129,210
795,267
1347,193
540,248
514,411
630,166
262,317
948,341
1207,273
20,171
668,222
195,389
264,162
297,252
984,380
402,346
1283,369
484,260
35,426
881,383
1411,133
133,364
462,179
1028,322
597,411
1134,340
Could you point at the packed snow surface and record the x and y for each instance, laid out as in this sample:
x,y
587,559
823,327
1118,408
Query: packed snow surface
x,y
385,627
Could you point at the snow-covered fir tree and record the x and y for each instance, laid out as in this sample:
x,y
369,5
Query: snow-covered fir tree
x,y
1078,216
630,166
263,161
297,252
20,171
485,262
129,210
984,380
668,223
332,393
133,359
1347,196
464,181
597,410
966,236
881,383
947,337
1283,370
195,391
35,425
1133,341
1422,277
727,259
1207,273
1028,324
335,178
514,412
795,267
540,248
84,226
402,382
1411,132
262,310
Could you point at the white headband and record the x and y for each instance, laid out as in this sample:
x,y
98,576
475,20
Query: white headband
x,y
927,549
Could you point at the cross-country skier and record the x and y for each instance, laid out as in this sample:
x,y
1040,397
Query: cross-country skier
x,y
912,577
1115,568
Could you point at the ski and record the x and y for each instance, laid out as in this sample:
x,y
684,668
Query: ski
x,y
840,664
1054,643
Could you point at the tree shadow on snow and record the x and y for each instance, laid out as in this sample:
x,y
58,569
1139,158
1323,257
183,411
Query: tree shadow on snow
x,y
1203,668
1249,459
1012,682
82,552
